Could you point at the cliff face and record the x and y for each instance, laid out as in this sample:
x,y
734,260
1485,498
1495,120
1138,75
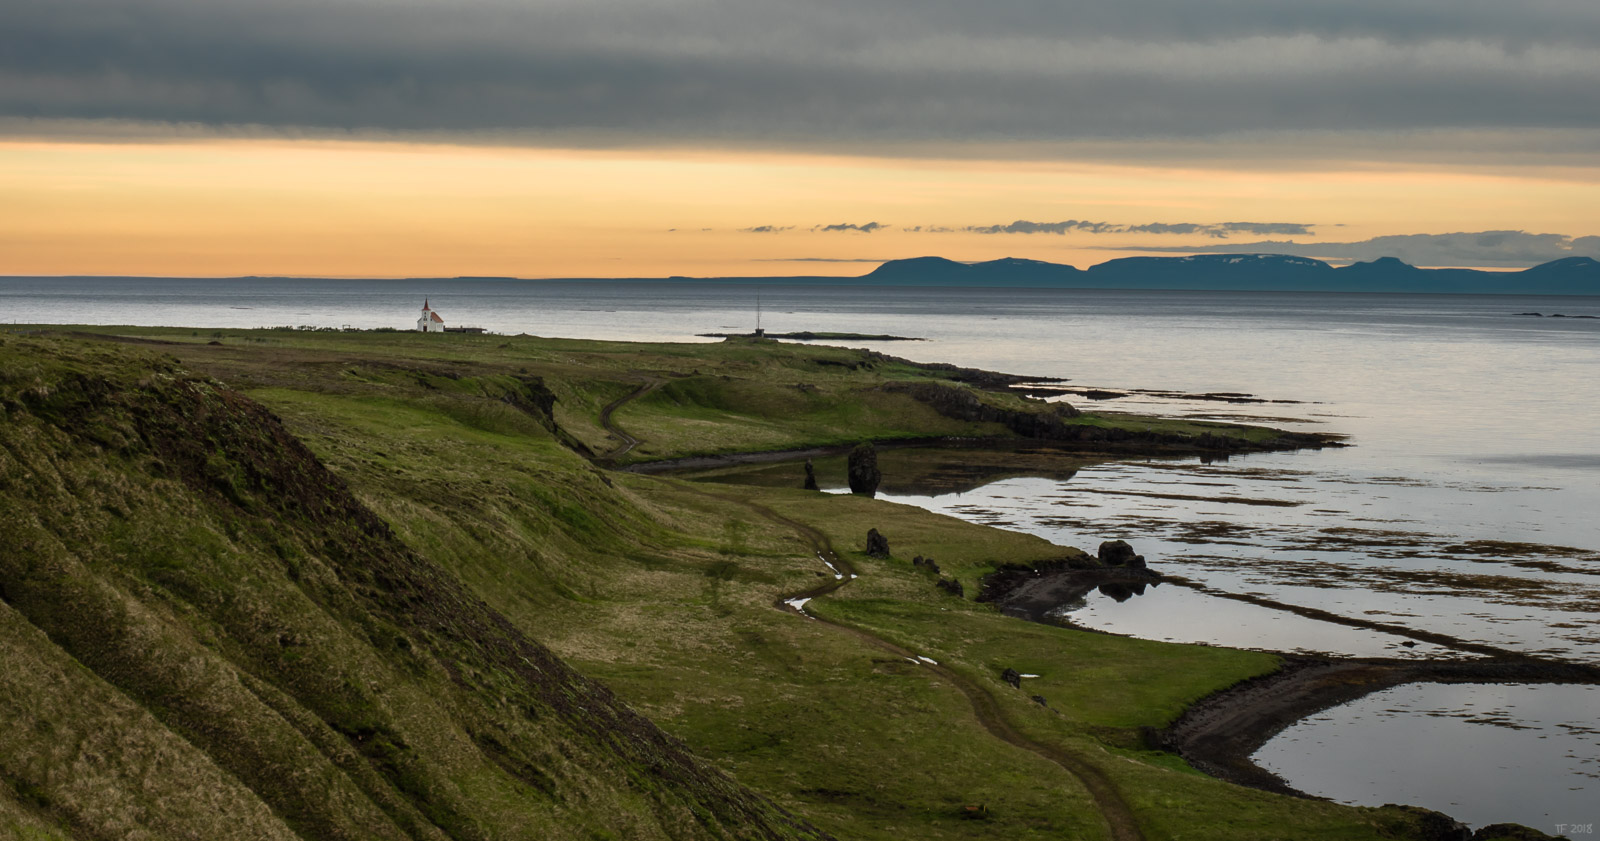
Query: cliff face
x,y
203,633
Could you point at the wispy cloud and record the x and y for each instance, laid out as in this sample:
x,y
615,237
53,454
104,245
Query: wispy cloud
x,y
1498,249
1221,230
846,226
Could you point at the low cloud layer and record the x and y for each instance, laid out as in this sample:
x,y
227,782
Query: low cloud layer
x,y
846,226
934,74
1498,249
1218,230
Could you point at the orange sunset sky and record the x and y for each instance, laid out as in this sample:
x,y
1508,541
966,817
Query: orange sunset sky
x,y
399,209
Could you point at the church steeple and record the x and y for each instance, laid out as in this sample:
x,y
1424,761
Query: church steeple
x,y
429,321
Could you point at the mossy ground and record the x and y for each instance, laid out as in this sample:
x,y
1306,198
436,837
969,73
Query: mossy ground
x,y
663,589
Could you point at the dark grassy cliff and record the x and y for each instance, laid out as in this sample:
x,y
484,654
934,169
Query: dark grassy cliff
x,y
207,635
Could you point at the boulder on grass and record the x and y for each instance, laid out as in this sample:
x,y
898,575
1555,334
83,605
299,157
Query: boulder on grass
x,y
877,544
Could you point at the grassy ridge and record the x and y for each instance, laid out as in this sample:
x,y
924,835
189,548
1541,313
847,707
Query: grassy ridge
x,y
252,633
376,682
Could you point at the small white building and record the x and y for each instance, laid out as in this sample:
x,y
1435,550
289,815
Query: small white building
x,y
429,321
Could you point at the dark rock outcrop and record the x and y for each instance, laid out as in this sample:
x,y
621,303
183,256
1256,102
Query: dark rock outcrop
x,y
953,587
811,477
925,563
877,544
1052,422
1509,832
1117,553
1013,677
863,471
1435,826
963,404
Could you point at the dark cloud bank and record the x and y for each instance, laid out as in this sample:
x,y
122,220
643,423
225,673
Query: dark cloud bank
x,y
870,73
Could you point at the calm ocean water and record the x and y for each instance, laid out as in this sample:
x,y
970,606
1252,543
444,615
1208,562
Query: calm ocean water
x,y
1467,505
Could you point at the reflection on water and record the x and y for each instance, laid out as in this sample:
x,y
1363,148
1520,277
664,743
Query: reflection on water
x,y
1178,614
1121,591
1481,753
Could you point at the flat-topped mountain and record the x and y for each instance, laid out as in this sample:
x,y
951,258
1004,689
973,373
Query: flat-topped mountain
x,y
940,271
1245,272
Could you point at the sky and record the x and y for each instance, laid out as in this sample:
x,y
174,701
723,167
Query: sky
x,y
569,138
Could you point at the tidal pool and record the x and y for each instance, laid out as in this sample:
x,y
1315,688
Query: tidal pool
x,y
1173,613
1481,753
1266,527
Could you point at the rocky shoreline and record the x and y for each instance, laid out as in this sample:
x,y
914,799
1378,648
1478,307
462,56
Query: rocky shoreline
x,y
1097,441
1033,592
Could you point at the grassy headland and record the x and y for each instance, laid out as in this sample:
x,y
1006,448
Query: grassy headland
x,y
286,584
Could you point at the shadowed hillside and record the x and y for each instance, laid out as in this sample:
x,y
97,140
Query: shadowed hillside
x,y
204,634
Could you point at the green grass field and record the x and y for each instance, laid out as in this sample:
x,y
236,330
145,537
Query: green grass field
x,y
256,650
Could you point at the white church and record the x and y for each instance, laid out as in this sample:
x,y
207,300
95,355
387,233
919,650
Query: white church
x,y
429,321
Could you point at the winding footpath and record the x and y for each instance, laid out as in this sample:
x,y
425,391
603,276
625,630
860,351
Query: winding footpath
x,y
626,442
1119,818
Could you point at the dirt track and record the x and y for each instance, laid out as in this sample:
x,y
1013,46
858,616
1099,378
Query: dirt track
x,y
626,442
1120,821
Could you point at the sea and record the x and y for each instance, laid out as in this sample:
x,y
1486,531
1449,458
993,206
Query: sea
x,y
1467,504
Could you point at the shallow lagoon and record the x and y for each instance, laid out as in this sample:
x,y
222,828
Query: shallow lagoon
x,y
1480,753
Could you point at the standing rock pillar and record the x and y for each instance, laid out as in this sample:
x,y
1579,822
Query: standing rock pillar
x,y
864,475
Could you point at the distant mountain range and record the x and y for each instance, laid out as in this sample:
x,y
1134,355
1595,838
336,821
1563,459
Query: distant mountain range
x,y
1204,272
1244,272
